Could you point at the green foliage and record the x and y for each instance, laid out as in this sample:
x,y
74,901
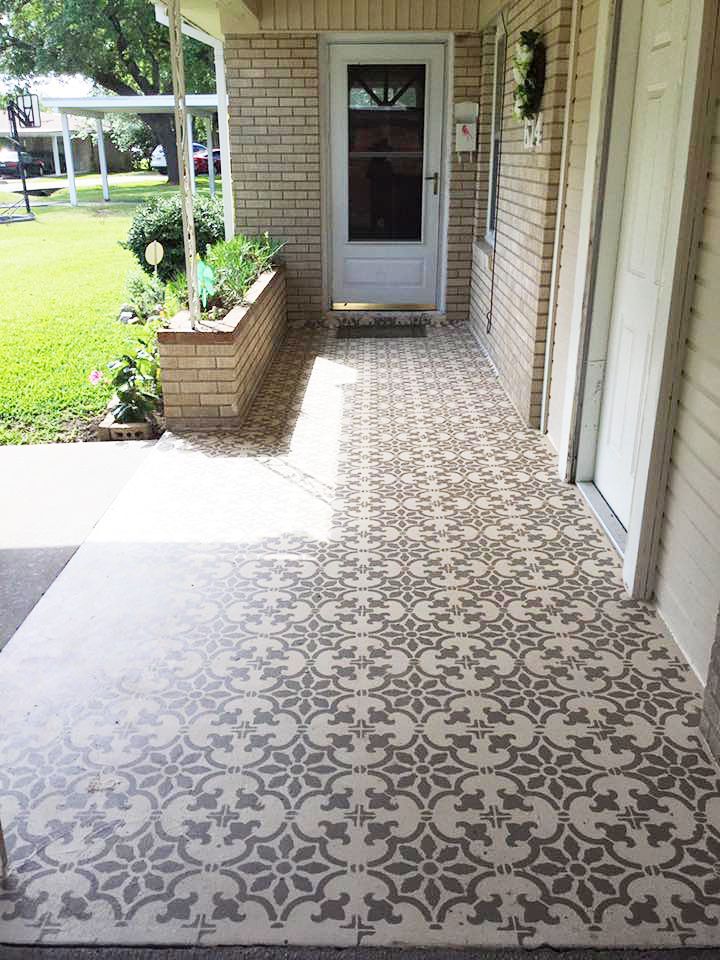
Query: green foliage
x,y
130,134
237,263
161,219
118,45
176,295
58,319
135,380
146,293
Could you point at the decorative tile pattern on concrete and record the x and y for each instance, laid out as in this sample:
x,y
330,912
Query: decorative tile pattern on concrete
x,y
363,673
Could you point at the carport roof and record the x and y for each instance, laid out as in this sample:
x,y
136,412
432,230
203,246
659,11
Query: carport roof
x,y
199,104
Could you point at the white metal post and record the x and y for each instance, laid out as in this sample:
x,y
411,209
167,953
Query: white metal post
x,y
102,158
186,201
224,136
69,164
56,153
191,153
211,159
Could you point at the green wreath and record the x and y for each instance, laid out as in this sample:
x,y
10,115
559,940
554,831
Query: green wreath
x,y
529,74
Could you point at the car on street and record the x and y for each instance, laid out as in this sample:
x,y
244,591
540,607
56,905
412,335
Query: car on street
x,y
10,155
159,163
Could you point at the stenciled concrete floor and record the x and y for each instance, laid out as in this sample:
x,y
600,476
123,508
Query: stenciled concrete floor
x,y
51,496
364,674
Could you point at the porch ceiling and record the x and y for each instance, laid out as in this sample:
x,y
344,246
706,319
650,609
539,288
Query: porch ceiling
x,y
222,17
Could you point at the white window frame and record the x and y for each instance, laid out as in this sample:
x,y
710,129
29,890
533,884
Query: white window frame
x,y
499,67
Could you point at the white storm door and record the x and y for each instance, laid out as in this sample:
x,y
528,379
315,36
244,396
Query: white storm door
x,y
648,185
386,132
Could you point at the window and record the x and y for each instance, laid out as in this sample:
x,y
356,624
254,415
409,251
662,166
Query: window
x,y
386,128
496,132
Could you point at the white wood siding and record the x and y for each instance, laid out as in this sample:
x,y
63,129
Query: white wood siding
x,y
688,580
577,149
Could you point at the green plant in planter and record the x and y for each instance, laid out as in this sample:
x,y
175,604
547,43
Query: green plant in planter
x,y
176,295
237,263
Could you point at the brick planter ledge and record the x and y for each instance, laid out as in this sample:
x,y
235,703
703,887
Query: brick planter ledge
x,y
211,374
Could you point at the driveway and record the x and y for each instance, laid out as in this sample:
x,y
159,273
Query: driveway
x,y
51,497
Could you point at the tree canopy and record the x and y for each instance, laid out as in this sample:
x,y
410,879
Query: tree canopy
x,y
115,43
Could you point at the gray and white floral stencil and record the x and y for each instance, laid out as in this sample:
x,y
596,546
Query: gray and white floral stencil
x,y
364,673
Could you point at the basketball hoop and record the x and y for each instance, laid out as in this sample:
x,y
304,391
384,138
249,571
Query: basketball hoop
x,y
23,110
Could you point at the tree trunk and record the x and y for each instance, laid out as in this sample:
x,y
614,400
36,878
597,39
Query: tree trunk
x,y
163,127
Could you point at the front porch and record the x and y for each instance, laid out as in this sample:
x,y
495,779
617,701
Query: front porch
x,y
362,673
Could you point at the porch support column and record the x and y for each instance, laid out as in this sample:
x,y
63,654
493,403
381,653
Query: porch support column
x,y
211,159
224,137
191,154
56,154
69,163
186,200
102,158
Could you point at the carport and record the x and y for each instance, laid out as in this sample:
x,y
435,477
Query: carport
x,y
197,105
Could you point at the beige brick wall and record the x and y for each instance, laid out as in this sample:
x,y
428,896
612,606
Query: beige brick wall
x,y
210,377
275,146
463,175
273,82
527,209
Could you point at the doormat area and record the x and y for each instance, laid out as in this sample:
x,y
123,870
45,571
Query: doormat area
x,y
381,331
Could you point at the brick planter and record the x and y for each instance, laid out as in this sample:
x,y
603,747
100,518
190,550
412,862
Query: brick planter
x,y
210,375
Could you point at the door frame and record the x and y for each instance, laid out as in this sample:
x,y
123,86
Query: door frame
x,y
612,100
326,41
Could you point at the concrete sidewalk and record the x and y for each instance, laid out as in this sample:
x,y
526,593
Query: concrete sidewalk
x,y
51,496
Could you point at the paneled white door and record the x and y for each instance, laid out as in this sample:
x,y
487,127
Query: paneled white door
x,y
648,182
386,132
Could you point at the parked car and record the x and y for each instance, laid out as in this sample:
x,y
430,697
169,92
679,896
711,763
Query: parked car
x,y
159,163
10,154
201,161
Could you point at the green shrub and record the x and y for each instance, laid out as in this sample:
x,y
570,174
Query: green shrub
x,y
160,218
146,293
237,263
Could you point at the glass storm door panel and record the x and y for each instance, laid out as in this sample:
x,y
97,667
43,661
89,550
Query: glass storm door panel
x,y
386,149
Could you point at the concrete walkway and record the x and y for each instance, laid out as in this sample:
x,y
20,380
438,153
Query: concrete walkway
x,y
51,496
363,675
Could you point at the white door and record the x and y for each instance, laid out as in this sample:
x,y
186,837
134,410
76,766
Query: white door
x,y
640,260
386,130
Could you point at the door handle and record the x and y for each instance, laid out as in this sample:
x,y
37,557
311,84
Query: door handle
x,y
435,177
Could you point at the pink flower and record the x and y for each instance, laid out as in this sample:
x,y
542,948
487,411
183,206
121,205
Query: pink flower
x,y
95,377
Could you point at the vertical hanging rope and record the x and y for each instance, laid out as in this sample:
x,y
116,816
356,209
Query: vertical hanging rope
x,y
496,184
186,201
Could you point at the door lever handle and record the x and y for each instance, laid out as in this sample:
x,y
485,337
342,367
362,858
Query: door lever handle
x,y
435,177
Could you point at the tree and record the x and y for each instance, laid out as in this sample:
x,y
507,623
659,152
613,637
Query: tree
x,y
115,43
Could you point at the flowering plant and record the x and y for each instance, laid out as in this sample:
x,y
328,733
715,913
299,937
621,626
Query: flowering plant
x,y
529,75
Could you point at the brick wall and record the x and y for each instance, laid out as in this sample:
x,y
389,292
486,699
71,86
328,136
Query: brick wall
x,y
210,376
527,208
275,153
463,175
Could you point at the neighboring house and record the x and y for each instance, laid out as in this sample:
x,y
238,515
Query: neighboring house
x,y
587,263
46,143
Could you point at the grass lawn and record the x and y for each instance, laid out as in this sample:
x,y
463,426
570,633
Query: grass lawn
x,y
63,281
60,293
124,187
